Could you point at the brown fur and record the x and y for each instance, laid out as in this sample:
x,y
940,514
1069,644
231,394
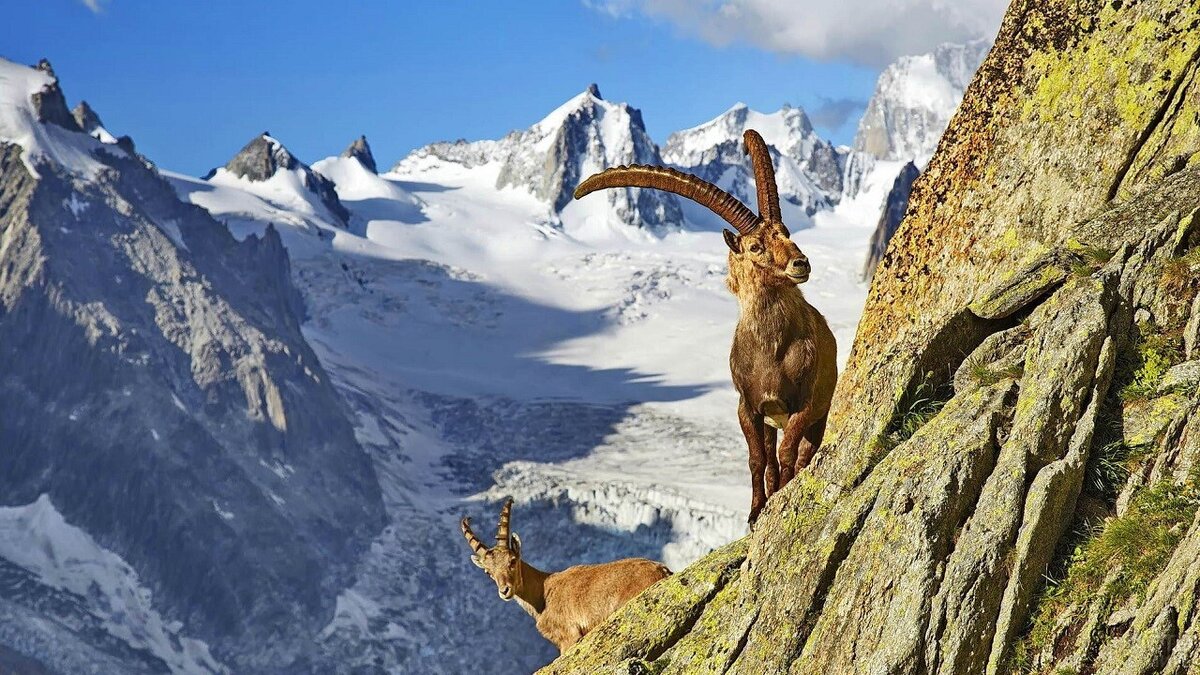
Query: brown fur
x,y
566,605
783,360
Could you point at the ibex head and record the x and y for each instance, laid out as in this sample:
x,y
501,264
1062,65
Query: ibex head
x,y
762,250
502,562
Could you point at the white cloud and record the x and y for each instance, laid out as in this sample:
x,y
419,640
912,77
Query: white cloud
x,y
96,6
867,32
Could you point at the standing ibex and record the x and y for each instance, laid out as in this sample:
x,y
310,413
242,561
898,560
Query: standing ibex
x,y
565,605
784,357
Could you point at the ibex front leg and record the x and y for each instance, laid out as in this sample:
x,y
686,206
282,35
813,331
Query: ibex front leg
x,y
797,424
752,429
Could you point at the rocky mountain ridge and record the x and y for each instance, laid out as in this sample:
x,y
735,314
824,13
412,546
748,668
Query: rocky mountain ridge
x,y
157,393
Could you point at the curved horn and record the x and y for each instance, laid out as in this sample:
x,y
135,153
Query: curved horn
x,y
476,545
764,177
694,188
502,530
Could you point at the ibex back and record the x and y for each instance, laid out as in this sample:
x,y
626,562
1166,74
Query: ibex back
x,y
784,357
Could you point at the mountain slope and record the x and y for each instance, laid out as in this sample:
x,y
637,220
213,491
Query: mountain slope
x,y
1031,331
163,423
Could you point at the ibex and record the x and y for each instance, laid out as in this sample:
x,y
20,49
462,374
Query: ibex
x,y
564,605
784,357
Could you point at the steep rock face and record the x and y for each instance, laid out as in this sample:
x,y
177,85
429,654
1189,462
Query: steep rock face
x,y
894,206
156,388
361,151
265,161
585,135
914,100
809,170
1019,402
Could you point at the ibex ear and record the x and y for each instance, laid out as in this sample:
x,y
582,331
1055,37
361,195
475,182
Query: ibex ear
x,y
478,563
732,241
514,544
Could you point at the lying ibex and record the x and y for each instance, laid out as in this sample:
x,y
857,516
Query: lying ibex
x,y
784,357
565,605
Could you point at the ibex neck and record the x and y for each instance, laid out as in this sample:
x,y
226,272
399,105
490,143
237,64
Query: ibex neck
x,y
532,593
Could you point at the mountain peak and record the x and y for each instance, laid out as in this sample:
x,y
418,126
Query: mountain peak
x,y
49,103
264,157
261,158
914,99
361,151
594,90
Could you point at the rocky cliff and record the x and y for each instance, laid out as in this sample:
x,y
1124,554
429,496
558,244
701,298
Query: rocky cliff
x,y
1009,483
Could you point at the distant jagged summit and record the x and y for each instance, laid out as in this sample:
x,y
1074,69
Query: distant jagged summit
x,y
86,118
265,159
49,103
585,135
914,100
808,169
361,151
262,158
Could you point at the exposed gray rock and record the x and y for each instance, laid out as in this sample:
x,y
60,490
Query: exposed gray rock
x,y
361,151
894,206
86,118
50,104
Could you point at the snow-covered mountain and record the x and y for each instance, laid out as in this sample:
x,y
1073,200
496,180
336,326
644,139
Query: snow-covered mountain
x,y
182,487
582,136
266,168
914,99
808,168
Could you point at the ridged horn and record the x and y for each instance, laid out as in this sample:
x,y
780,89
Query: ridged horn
x,y
764,177
502,529
476,545
694,188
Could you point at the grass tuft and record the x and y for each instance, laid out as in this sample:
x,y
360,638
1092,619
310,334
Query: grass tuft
x,y
1119,559
1154,356
924,402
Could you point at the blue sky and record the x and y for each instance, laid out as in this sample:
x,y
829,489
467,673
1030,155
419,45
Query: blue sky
x,y
192,82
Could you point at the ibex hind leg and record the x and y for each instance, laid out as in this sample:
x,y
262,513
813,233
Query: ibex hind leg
x,y
810,444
